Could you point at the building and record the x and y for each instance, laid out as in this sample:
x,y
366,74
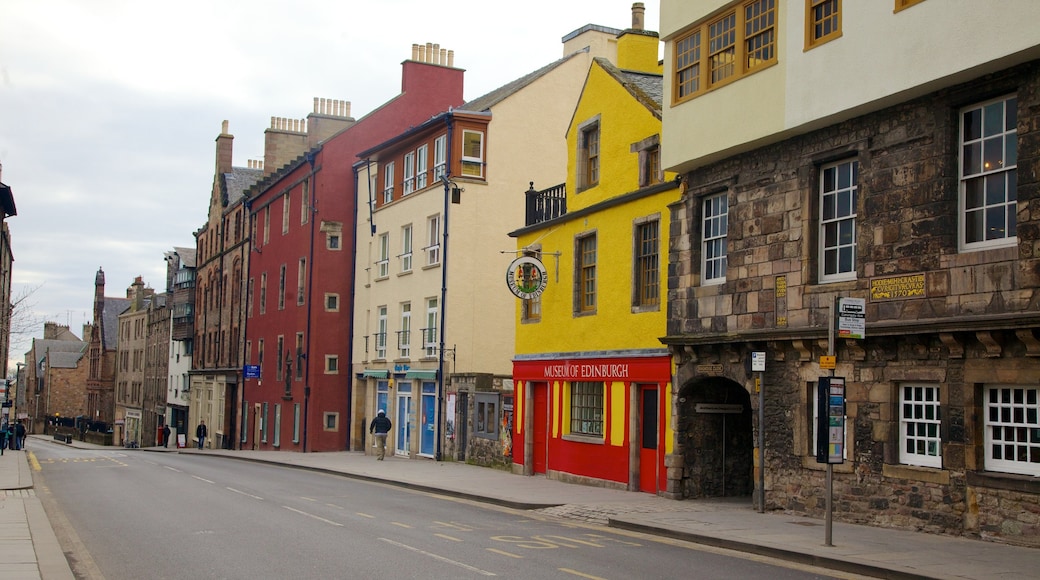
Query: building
x,y
7,209
301,285
866,155
55,377
137,424
593,380
102,336
222,260
158,346
180,287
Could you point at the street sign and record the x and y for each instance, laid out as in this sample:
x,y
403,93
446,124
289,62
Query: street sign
x,y
828,362
852,316
251,371
758,362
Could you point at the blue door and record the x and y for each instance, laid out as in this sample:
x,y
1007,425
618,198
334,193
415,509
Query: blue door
x,y
428,435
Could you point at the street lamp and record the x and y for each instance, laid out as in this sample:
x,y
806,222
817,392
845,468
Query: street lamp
x,y
452,193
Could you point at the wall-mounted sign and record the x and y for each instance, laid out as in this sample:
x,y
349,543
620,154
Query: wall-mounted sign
x,y
725,408
251,371
898,287
852,317
526,277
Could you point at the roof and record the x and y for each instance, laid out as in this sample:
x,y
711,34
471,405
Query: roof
x,y
647,88
42,346
234,184
110,318
67,360
498,95
7,200
186,256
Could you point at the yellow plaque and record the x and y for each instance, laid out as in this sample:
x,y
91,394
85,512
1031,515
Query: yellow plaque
x,y
828,362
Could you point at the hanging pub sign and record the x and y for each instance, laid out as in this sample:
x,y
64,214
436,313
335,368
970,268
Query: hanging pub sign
x,y
526,277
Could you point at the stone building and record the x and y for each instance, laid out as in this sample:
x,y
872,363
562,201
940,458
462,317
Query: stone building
x,y
131,348
55,376
862,160
102,335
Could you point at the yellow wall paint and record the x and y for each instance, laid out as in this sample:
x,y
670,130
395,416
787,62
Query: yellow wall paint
x,y
618,416
669,432
556,418
639,52
518,405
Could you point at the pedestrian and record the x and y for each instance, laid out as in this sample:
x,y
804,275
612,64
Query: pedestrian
x,y
19,434
165,435
380,427
201,432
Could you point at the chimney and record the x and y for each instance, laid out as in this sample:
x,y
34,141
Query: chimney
x,y
638,9
224,147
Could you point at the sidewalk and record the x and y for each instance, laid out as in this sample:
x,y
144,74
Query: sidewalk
x,y
864,550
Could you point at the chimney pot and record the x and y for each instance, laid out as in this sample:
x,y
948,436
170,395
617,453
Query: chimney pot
x,y
638,10
451,58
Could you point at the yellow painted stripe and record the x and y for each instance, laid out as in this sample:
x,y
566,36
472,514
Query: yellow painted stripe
x,y
576,573
510,554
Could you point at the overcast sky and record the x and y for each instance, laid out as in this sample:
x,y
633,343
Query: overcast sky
x,y
109,109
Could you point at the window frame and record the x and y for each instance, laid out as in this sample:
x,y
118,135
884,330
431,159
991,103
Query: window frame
x,y
408,179
430,337
585,273
714,238
440,157
332,364
383,263
404,337
433,240
301,282
836,190
286,200
421,166
381,330
918,430
816,17
406,248
693,56
486,408
1008,172
995,418
588,154
646,264
587,408
472,165
904,4
388,182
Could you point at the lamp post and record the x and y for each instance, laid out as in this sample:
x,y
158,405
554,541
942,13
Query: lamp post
x,y
452,193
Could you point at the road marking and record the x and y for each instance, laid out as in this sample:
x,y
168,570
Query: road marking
x,y
33,462
244,493
332,505
365,515
307,498
504,553
172,468
576,573
319,518
438,557
447,537
453,525
203,479
399,524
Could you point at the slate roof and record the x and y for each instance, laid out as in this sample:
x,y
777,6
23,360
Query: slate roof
x,y
110,317
61,350
234,184
647,88
186,256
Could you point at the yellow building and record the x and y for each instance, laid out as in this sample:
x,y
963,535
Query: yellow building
x,y
592,379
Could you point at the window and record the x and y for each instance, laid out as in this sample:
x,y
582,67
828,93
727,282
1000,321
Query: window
x,y
586,291
989,175
737,43
381,334
587,408
430,332
267,225
838,221
331,302
299,356
285,213
647,263
277,426
331,421
716,229
296,423
263,423
822,21
409,173
485,415
406,248
588,155
440,156
331,364
420,167
263,293
383,264
388,182
281,287
332,242
433,240
404,337
301,281
652,166
919,420
1013,429
472,154
903,4
305,202
278,360
531,308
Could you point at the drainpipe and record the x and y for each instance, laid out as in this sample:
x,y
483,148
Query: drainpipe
x,y
310,300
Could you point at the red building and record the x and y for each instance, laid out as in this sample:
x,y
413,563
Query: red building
x,y
301,270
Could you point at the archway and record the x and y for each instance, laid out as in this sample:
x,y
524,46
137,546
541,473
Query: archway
x,y
716,433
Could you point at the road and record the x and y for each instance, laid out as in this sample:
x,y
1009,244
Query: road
x,y
131,514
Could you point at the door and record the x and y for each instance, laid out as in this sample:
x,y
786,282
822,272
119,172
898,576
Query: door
x,y
649,437
402,420
428,420
258,422
462,425
541,427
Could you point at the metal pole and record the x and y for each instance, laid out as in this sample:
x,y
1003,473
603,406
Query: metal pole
x,y
761,445
828,524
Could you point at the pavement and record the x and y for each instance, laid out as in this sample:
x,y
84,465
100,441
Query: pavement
x,y
29,548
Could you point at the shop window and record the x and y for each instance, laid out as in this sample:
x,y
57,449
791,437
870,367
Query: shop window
x,y
587,408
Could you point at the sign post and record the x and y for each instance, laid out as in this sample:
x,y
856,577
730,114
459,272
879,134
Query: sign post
x,y
758,365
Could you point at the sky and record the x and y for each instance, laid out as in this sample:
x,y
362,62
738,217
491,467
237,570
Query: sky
x,y
109,111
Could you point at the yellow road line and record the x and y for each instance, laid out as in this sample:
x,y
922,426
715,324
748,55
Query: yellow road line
x,y
504,553
447,537
33,462
576,573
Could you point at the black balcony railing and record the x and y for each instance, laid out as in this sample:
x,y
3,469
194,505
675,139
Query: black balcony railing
x,y
547,204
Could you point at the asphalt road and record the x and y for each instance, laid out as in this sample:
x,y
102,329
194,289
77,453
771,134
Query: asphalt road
x,y
133,514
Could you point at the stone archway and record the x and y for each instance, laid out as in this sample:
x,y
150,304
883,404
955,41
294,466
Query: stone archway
x,y
716,434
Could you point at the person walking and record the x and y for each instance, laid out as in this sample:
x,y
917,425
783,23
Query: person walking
x,y
19,434
201,432
165,435
380,427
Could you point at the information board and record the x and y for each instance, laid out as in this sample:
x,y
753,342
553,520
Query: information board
x,y
830,420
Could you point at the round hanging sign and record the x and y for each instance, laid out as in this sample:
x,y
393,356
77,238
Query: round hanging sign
x,y
526,277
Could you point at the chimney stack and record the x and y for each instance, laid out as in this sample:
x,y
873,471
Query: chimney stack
x,y
638,9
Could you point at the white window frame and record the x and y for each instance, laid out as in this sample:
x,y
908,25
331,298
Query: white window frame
x,y
409,173
404,341
440,157
285,212
383,263
920,423
989,161
388,182
381,328
433,240
406,248
421,166
714,238
838,203
1012,424
472,165
432,320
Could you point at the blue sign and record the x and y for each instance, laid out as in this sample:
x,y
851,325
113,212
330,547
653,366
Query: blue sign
x,y
251,371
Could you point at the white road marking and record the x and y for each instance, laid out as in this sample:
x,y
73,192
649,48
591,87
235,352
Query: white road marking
x,y
203,479
319,518
244,493
172,468
441,558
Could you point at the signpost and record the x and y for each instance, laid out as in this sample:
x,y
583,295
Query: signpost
x,y
758,365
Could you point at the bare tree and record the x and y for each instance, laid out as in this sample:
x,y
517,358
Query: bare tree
x,y
24,320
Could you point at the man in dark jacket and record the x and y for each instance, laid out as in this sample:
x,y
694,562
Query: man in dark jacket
x,y
380,427
201,432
